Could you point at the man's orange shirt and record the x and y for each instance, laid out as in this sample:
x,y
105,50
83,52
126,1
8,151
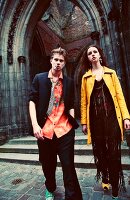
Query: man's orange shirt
x,y
57,122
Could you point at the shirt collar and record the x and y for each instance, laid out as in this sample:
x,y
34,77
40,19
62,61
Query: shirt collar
x,y
50,75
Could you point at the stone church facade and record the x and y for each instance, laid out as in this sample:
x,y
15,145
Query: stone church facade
x,y
29,30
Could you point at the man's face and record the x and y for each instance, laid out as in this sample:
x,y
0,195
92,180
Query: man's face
x,y
57,62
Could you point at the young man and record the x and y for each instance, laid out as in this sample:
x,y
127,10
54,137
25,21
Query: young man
x,y
51,108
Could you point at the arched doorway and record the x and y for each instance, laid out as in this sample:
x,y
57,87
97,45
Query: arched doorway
x,y
24,53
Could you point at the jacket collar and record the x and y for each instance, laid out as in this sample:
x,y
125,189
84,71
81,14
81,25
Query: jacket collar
x,y
106,71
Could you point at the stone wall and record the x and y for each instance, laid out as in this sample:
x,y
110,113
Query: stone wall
x,y
67,21
70,28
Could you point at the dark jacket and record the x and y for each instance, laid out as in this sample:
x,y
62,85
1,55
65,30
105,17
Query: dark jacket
x,y
40,95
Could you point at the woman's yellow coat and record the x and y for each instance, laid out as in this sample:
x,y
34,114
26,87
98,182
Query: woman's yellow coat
x,y
111,80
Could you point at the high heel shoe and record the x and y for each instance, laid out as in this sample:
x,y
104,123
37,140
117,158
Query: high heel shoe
x,y
116,198
105,186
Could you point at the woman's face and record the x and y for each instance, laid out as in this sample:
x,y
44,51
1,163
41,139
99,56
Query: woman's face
x,y
93,55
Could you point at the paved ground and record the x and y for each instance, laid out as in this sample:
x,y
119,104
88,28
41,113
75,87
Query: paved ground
x,y
26,182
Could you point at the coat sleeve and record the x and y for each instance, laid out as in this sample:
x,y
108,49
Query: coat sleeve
x,y
68,93
120,98
34,92
83,102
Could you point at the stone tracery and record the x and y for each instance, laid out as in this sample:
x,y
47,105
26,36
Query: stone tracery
x,y
105,30
12,30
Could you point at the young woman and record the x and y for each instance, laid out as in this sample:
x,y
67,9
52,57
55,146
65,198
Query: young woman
x,y
103,115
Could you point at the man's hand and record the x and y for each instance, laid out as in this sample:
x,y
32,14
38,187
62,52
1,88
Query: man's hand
x,y
126,124
84,129
37,132
36,128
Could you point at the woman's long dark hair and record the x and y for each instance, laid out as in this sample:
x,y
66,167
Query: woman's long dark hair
x,y
85,64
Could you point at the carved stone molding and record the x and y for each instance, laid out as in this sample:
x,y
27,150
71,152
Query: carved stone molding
x,y
99,7
95,35
104,25
114,14
101,13
12,30
22,59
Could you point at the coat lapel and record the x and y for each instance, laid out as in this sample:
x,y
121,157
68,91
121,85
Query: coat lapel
x,y
108,79
64,88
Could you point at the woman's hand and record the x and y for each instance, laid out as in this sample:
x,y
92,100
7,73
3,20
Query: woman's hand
x,y
127,124
37,132
84,129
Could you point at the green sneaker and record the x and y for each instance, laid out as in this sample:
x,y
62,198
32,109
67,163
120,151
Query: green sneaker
x,y
49,195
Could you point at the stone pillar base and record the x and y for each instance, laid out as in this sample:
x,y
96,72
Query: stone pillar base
x,y
3,137
9,132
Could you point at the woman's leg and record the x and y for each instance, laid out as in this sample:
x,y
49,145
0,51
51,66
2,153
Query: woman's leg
x,y
114,161
66,155
100,157
114,153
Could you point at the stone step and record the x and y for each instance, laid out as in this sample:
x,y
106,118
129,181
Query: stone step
x,y
80,139
29,145
81,161
33,149
25,151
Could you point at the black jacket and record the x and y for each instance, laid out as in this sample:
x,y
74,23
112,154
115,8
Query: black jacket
x,y
40,95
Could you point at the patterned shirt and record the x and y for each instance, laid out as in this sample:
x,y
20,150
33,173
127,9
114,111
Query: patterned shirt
x,y
57,122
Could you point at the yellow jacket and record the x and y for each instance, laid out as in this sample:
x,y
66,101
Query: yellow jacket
x,y
111,80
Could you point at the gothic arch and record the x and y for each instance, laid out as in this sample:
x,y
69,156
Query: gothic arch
x,y
96,12
18,22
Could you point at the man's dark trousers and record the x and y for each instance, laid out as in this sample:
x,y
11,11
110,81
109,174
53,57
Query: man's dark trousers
x,y
64,148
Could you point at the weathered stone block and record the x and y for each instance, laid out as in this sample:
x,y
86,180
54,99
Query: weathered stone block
x,y
3,137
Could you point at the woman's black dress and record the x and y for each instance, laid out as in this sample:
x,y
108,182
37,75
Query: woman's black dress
x,y
106,136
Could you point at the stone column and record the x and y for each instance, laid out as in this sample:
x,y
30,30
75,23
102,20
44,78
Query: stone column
x,y
22,96
3,133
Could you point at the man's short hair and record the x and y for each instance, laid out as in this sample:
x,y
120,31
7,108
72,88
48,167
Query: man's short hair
x,y
60,51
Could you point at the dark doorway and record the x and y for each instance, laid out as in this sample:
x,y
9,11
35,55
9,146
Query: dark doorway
x,y
39,62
